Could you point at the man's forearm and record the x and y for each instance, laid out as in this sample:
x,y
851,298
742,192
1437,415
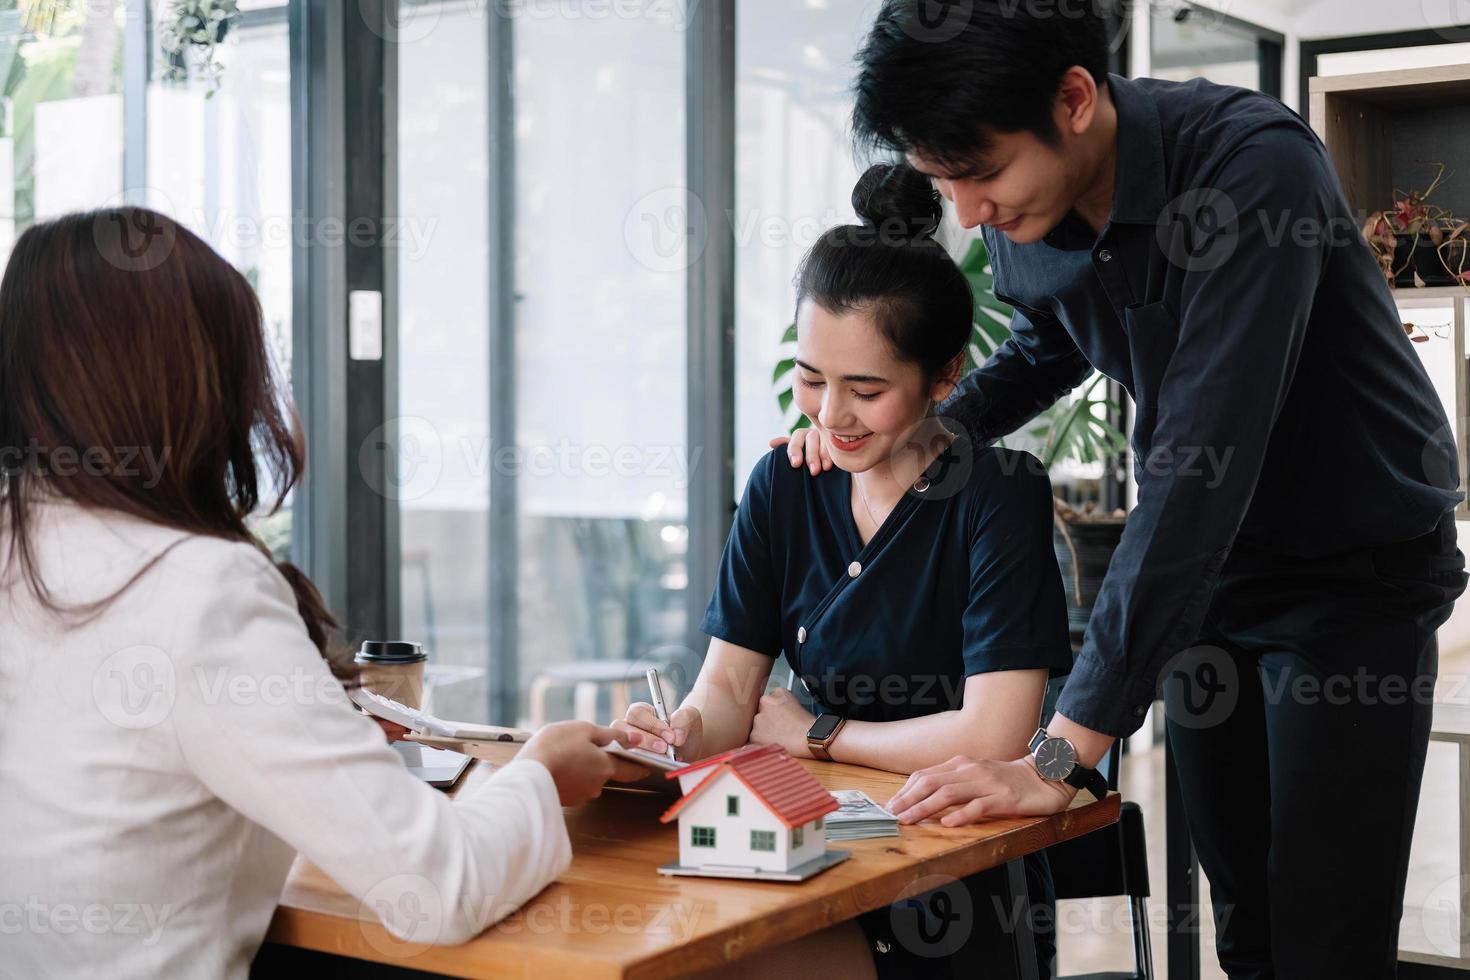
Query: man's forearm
x,y
916,743
1091,746
1010,388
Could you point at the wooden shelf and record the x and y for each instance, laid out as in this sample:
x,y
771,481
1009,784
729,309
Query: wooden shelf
x,y
1402,88
1388,130
1405,295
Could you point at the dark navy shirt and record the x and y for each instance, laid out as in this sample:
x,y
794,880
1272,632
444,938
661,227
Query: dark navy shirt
x,y
960,579
1278,401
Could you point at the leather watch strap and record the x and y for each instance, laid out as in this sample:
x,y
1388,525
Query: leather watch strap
x,y
1088,779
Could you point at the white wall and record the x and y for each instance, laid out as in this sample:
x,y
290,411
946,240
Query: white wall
x,y
1343,18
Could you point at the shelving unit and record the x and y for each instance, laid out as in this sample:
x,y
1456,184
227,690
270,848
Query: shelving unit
x,y
1390,130
1386,131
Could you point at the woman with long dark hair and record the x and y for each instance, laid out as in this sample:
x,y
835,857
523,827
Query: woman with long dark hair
x,y
173,724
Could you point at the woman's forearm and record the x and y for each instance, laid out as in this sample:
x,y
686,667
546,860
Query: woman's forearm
x,y
727,693
726,721
916,743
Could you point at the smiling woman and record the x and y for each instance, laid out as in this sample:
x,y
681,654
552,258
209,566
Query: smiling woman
x,y
913,591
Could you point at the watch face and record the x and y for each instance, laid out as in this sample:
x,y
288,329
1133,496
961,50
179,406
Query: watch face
x,y
1055,758
823,727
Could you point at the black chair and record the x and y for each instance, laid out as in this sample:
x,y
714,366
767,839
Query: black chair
x,y
1108,862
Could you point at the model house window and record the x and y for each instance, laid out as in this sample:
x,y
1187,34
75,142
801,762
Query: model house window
x,y
796,836
732,806
702,836
819,823
762,840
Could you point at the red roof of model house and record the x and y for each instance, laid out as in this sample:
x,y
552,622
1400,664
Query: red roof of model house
x,y
768,771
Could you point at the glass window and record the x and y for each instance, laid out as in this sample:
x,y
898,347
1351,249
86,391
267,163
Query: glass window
x,y
61,119
819,823
762,840
600,266
218,156
599,467
798,834
732,806
794,171
443,344
702,836
1187,42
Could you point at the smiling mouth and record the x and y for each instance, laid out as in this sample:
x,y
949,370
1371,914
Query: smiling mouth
x,y
845,442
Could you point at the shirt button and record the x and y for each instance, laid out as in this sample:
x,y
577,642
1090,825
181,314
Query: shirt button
x,y
801,634
1139,710
1105,256
881,945
922,484
854,570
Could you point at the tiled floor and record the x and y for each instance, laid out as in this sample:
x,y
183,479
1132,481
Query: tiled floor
x,y
1095,935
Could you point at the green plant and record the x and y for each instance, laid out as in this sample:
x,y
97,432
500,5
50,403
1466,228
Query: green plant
x,y
1075,429
193,29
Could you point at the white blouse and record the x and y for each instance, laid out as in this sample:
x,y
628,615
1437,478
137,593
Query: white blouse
x,y
162,763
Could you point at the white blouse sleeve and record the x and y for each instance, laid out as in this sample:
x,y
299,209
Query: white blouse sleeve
x,y
265,726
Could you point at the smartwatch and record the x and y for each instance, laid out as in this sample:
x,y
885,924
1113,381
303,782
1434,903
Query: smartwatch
x,y
1056,760
822,733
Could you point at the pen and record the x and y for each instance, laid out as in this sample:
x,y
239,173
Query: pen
x,y
658,702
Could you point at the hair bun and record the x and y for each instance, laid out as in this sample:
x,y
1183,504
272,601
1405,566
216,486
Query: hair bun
x,y
895,192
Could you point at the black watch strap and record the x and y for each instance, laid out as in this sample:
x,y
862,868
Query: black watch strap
x,y
1088,779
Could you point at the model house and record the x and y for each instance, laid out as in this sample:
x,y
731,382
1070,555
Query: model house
x,y
752,808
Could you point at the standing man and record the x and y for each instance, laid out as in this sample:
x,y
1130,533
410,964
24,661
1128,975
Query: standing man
x,y
1293,548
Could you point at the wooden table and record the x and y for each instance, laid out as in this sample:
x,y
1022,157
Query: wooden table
x,y
613,915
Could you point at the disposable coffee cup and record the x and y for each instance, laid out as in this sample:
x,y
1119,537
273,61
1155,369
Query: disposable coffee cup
x,y
394,669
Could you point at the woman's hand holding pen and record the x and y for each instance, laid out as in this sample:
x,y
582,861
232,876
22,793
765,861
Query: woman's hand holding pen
x,y
684,730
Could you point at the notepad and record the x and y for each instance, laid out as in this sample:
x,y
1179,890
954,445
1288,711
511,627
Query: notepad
x,y
427,724
650,760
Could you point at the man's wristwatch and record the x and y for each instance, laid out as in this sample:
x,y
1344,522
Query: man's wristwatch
x,y
823,731
1056,760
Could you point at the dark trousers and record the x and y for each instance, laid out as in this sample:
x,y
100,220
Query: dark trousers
x,y
1299,724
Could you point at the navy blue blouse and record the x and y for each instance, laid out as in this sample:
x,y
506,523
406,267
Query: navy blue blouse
x,y
961,579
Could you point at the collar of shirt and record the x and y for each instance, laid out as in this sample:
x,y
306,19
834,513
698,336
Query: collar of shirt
x,y
1138,181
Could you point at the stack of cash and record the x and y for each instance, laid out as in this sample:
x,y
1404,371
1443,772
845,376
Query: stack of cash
x,y
859,818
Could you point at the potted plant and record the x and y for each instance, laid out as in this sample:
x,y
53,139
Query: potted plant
x,y
1075,429
190,34
1417,243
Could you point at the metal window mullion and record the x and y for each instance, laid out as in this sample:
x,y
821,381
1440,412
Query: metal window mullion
x,y
503,636
318,527
709,73
137,68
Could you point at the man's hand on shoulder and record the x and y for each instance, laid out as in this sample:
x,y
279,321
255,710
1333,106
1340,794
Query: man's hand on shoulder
x,y
805,446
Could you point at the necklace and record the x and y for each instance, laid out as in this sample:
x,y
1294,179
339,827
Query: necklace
x,y
866,506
